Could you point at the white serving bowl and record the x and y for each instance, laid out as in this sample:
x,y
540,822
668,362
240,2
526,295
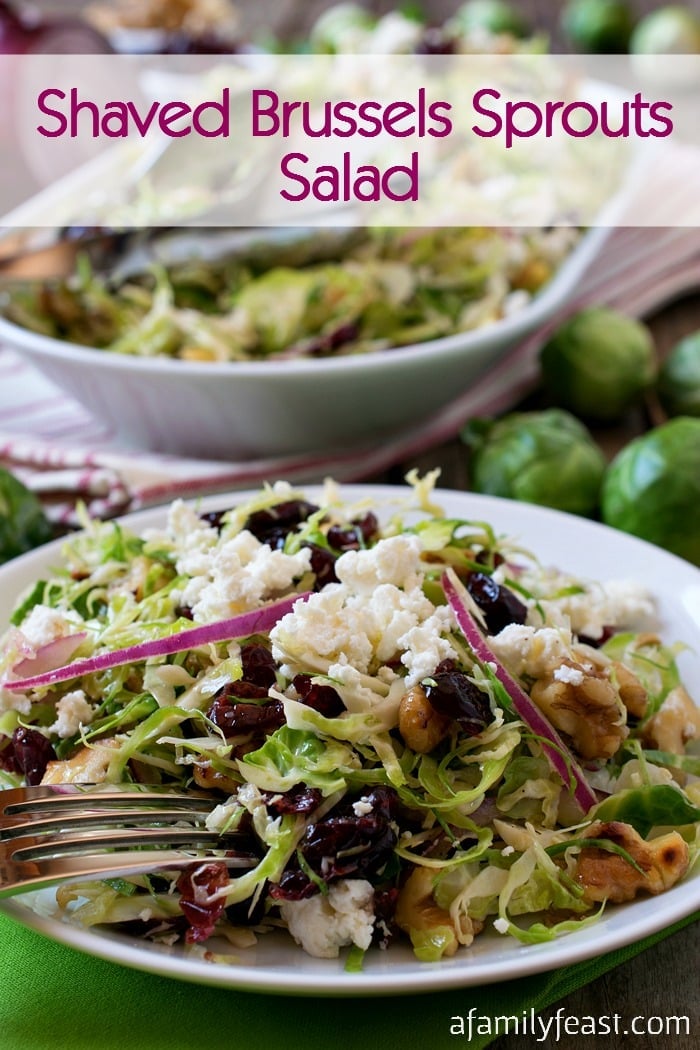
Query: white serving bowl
x,y
245,409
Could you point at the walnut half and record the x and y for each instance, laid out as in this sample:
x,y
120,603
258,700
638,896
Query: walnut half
x,y
607,876
583,702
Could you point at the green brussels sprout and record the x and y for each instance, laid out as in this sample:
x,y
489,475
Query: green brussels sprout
x,y
598,26
493,16
652,488
544,457
672,30
23,524
679,378
598,363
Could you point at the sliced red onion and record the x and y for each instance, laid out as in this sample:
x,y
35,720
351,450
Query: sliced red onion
x,y
50,656
255,622
558,755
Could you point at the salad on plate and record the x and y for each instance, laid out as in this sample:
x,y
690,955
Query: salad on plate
x,y
416,730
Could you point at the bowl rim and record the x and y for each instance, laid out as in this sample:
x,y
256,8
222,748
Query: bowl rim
x,y
538,309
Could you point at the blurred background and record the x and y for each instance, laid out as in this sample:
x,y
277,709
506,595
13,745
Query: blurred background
x,y
570,24
380,26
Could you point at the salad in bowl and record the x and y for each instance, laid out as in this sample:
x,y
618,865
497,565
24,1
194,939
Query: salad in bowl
x,y
417,732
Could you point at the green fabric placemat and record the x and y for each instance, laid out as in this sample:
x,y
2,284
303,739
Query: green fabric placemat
x,y
55,998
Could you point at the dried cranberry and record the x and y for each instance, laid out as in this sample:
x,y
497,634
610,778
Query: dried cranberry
x,y
322,565
241,690
357,534
435,41
238,718
146,927
452,694
293,885
492,559
196,885
595,643
273,525
385,901
384,802
322,698
31,753
327,342
499,605
248,912
258,665
338,846
184,612
343,845
215,518
299,799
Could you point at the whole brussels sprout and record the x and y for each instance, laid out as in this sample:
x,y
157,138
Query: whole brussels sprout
x,y
671,30
492,16
23,524
598,363
598,26
652,488
679,378
538,457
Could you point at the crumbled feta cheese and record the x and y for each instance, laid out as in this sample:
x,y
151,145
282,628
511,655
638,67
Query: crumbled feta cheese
x,y
190,538
323,924
501,925
72,711
515,301
425,648
507,850
10,701
394,33
571,675
532,651
396,561
589,606
361,625
240,574
362,807
44,625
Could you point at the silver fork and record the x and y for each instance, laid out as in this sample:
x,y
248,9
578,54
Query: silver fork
x,y
55,833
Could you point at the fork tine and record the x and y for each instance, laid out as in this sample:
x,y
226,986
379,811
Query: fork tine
x,y
69,797
54,833
11,827
24,876
36,847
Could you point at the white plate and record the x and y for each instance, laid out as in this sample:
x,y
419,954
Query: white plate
x,y
276,964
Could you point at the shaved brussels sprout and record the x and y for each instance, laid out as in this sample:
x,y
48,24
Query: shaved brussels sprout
x,y
545,457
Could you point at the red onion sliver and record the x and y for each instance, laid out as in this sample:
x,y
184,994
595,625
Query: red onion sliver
x,y
558,755
47,657
242,626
